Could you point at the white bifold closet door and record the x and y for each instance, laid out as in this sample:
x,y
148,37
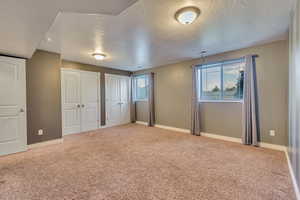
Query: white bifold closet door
x,y
80,101
13,133
117,99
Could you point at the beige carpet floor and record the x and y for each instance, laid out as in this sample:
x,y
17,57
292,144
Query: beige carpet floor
x,y
134,162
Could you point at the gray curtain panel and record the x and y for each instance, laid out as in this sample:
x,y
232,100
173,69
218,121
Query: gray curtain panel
x,y
250,105
132,102
151,118
195,121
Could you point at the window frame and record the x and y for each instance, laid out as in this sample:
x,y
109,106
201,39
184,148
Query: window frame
x,y
135,87
221,65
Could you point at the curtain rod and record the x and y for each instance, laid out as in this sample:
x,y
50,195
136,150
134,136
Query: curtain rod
x,y
142,74
213,62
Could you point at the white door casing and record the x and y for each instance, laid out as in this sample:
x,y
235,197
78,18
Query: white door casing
x,y
80,100
117,90
13,129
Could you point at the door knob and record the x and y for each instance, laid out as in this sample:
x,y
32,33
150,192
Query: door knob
x,y
82,105
78,105
22,110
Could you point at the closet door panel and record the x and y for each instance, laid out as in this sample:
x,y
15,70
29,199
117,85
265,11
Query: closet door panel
x,y
125,100
117,91
112,92
89,101
71,101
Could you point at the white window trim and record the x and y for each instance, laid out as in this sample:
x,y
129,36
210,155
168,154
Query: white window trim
x,y
221,100
141,100
134,92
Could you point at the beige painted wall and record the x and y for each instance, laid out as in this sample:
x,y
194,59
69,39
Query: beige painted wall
x,y
142,111
43,96
173,95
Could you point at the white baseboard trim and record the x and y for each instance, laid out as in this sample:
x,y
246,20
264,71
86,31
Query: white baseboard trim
x,y
104,126
219,137
172,128
273,146
46,143
295,184
165,127
141,123
114,125
239,140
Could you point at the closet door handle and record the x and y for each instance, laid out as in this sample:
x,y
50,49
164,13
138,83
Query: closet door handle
x,y
78,105
82,105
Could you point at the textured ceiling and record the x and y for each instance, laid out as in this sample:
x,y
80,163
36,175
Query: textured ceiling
x,y
143,35
24,23
146,34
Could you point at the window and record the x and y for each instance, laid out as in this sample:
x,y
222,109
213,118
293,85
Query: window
x,y
141,88
223,81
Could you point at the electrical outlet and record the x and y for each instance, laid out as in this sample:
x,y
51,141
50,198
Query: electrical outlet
x,y
272,133
40,132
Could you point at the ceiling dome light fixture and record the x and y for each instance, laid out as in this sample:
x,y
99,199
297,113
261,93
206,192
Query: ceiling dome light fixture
x,y
99,56
187,15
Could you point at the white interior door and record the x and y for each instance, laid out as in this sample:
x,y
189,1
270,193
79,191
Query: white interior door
x,y
90,115
71,102
125,99
13,133
112,97
117,99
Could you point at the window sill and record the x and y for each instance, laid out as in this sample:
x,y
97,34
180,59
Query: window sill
x,y
142,100
220,101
